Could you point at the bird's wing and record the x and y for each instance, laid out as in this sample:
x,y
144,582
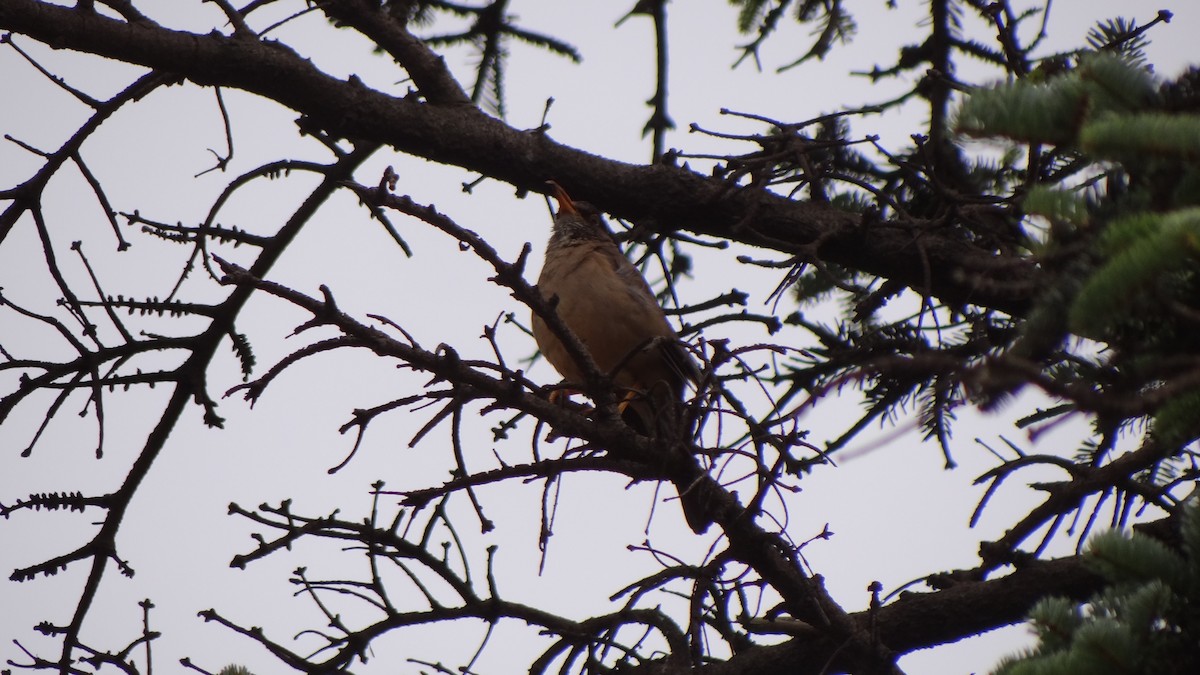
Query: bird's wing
x,y
609,306
672,350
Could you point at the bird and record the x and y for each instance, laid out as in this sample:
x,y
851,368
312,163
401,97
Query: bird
x,y
608,305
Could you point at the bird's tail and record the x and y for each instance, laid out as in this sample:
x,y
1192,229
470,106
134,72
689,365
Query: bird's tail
x,y
660,414
695,508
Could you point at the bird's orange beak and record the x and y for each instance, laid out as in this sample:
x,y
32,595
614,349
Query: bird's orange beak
x,y
565,204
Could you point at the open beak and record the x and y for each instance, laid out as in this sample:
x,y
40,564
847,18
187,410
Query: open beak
x,y
565,204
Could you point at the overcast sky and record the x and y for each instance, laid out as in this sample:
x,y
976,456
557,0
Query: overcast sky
x,y
896,514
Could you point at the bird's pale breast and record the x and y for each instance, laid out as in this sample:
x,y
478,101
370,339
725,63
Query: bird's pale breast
x,y
607,305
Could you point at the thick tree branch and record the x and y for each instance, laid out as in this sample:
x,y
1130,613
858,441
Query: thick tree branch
x,y
771,555
662,197
921,620
427,69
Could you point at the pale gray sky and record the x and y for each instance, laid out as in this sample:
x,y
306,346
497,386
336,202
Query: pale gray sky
x,y
896,514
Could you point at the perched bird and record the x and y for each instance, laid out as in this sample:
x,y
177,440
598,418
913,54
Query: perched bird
x,y
605,302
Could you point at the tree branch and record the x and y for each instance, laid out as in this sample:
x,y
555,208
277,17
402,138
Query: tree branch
x,y
662,197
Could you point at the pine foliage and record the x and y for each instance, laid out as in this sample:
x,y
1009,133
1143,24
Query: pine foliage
x,y
1124,229
1139,250
1104,89
1146,621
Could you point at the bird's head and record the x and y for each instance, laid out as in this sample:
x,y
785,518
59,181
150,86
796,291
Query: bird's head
x,y
575,221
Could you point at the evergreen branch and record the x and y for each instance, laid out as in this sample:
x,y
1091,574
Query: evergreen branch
x,y
1108,295
1135,137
